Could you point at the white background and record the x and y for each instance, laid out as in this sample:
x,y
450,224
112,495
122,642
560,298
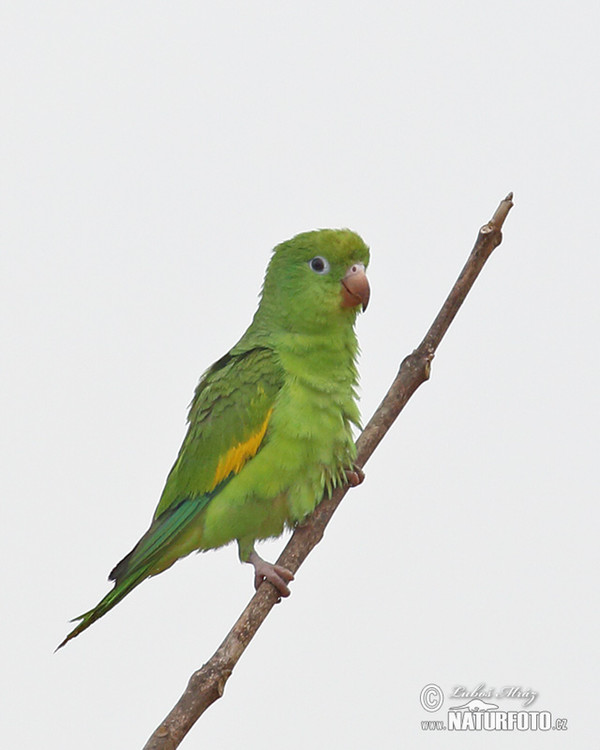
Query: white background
x,y
152,155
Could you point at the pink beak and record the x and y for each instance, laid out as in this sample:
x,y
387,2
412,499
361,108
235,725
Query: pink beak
x,y
355,287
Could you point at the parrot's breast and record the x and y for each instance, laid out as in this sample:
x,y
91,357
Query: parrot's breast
x,y
307,447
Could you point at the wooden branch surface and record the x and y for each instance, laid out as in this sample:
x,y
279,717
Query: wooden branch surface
x,y
208,683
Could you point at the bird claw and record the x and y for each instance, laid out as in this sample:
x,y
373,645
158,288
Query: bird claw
x,y
355,476
276,575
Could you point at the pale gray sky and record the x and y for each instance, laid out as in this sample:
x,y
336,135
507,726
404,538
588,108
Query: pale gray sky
x,y
152,155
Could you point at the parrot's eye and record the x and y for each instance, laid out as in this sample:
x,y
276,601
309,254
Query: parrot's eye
x,y
319,264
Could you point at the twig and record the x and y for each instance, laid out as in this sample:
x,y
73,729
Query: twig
x,y
208,683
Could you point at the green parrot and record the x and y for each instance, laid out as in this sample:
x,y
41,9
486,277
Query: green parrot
x,y
270,422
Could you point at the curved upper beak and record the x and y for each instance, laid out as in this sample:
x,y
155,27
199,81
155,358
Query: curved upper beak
x,y
355,287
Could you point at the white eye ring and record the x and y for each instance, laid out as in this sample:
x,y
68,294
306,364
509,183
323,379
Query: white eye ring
x,y
319,264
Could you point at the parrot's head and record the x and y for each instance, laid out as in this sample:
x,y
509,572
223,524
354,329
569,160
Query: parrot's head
x,y
316,280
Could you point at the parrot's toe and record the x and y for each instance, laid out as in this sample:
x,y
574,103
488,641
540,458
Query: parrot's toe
x,y
355,476
277,575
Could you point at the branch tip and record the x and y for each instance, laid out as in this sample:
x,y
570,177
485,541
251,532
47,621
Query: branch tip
x,y
501,212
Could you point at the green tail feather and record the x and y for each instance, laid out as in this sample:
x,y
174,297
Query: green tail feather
x,y
145,558
113,597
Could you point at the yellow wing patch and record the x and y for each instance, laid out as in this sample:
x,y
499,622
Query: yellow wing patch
x,y
236,457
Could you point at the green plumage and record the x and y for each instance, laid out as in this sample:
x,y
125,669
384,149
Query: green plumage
x,y
270,423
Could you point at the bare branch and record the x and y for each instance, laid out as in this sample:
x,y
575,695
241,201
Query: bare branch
x,y
208,683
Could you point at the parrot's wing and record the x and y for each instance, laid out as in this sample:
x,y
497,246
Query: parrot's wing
x,y
228,421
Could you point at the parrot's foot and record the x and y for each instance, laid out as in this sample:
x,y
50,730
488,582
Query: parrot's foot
x,y
355,476
275,574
